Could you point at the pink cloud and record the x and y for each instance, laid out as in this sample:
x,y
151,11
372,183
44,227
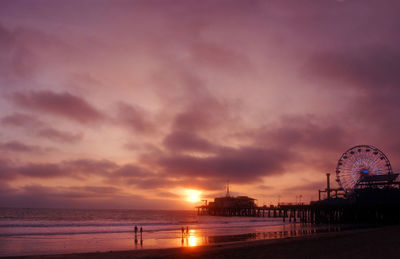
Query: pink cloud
x,y
60,136
17,146
135,119
61,104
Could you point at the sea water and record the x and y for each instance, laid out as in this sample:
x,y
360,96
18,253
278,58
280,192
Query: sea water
x,y
60,231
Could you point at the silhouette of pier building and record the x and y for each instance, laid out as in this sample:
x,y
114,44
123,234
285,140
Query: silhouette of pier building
x,y
375,204
373,198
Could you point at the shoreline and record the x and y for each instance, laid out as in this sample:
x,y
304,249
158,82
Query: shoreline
x,y
356,243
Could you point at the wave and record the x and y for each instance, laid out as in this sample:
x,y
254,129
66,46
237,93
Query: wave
x,y
50,224
88,224
115,229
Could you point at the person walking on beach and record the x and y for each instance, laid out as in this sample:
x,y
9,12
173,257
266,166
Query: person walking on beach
x,y
187,230
136,229
183,231
141,236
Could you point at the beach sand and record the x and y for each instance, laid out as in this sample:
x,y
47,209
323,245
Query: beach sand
x,y
374,243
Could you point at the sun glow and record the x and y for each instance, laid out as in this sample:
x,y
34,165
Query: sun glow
x,y
193,195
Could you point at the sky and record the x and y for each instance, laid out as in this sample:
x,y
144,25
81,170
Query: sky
x,y
138,104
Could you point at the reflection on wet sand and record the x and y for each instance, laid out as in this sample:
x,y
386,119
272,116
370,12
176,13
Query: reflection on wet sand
x,y
194,238
191,240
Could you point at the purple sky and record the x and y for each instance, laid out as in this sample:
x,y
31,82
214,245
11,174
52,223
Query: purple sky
x,y
128,104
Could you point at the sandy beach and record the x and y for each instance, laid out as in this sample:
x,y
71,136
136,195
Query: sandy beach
x,y
375,243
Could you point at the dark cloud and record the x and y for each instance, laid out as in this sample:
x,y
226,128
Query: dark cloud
x,y
60,136
86,167
130,171
61,104
26,51
41,170
187,141
368,80
203,112
76,169
194,107
6,170
135,119
39,196
16,58
17,146
306,132
365,67
22,120
246,164
41,129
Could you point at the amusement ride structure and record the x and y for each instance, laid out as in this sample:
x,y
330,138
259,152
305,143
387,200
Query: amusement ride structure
x,y
361,167
364,166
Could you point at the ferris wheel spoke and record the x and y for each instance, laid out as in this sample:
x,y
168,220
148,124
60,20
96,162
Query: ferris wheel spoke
x,y
355,160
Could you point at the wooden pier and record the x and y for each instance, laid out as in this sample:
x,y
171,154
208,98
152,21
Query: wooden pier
x,y
288,212
374,197
380,206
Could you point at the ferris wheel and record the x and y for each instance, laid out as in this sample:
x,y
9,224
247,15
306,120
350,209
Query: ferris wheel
x,y
359,162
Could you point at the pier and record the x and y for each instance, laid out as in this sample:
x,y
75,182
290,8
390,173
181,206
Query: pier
x,y
373,197
333,211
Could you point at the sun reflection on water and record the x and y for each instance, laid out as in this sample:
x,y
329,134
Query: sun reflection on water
x,y
193,239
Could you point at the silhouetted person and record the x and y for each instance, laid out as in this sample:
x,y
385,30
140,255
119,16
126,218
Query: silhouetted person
x,y
183,231
136,229
141,233
187,230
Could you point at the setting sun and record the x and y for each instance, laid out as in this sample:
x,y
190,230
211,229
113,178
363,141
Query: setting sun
x,y
193,195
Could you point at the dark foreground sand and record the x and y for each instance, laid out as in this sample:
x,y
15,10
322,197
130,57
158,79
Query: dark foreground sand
x,y
365,243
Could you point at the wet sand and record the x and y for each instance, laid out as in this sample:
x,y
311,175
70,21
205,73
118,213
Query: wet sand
x,y
374,243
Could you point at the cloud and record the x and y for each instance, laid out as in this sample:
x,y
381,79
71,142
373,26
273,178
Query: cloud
x,y
370,67
41,170
100,197
368,80
6,170
16,58
61,104
135,119
75,169
302,131
187,141
242,165
86,167
41,129
60,136
202,111
22,120
111,173
130,171
16,146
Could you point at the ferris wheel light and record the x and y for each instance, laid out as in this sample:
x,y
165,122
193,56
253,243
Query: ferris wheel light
x,y
366,171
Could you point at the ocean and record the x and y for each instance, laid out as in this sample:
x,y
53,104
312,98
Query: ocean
x,y
61,231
